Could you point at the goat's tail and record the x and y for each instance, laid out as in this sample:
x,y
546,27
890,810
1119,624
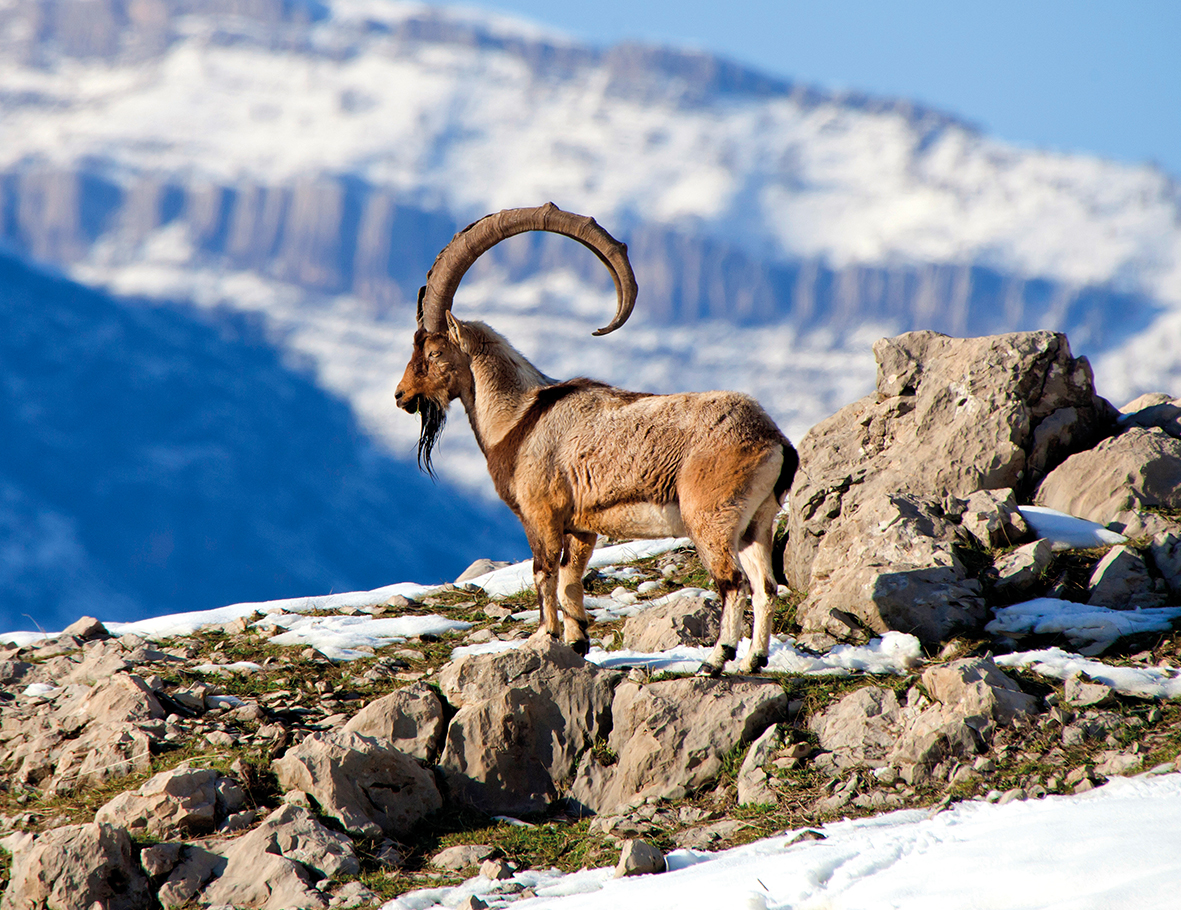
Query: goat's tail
x,y
787,473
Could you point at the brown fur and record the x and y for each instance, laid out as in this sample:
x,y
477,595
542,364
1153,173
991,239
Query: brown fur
x,y
578,459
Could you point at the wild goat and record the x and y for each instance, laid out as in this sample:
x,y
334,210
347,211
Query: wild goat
x,y
577,459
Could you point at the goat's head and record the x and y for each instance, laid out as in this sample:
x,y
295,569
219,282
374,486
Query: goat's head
x,y
440,365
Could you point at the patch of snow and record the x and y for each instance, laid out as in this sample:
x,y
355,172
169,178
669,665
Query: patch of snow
x,y
1065,532
344,637
240,666
1082,624
1141,682
1020,856
39,690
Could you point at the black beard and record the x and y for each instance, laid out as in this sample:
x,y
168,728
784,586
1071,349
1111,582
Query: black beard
x,y
433,419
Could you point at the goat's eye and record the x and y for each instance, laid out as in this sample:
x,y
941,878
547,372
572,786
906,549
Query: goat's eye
x,y
433,355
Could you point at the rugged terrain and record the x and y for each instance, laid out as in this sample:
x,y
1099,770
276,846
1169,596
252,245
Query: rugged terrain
x,y
344,752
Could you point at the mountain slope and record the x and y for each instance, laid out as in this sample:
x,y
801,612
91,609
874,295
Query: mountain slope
x,y
157,459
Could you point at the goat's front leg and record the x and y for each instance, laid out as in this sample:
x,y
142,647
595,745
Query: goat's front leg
x,y
733,611
575,555
547,552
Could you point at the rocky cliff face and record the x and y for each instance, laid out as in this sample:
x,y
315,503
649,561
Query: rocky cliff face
x,y
340,234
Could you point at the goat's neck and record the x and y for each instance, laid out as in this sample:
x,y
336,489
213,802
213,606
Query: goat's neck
x,y
502,388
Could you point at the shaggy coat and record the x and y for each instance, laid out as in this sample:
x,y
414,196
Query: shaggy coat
x,y
577,459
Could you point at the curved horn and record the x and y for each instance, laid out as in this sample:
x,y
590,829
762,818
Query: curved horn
x,y
477,238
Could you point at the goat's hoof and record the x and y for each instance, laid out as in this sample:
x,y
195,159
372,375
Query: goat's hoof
x,y
580,647
709,670
753,662
727,652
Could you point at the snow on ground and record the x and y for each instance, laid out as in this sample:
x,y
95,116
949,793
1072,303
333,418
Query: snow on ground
x,y
1115,846
1142,682
1092,628
1066,532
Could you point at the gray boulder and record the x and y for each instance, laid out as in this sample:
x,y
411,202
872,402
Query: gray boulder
x,y
687,619
409,720
754,783
370,789
1153,410
1140,467
1020,571
1166,555
1121,581
176,803
670,737
879,497
525,717
76,867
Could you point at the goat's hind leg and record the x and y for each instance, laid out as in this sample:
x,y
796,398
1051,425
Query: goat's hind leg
x,y
547,551
754,554
576,553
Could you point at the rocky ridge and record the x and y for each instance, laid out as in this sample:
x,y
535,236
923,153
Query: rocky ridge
x,y
217,768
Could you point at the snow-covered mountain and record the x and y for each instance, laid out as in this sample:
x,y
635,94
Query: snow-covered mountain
x,y
156,459
304,161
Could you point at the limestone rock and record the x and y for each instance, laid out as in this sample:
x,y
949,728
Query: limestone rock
x,y
753,780
101,754
992,517
462,856
75,867
1153,410
862,728
174,803
688,619
978,690
122,698
1082,694
950,417
408,719
890,566
1166,555
370,789
525,718
196,867
1121,581
1019,571
480,567
671,737
1140,467
87,628
639,857
160,859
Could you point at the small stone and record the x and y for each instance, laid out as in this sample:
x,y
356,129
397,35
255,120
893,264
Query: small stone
x,y
639,858
985,765
86,629
160,859
1011,796
1078,774
1081,694
471,902
497,869
462,856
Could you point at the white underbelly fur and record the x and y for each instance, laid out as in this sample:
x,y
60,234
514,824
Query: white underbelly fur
x,y
640,519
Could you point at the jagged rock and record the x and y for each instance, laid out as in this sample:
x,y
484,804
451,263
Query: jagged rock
x,y
753,780
480,567
160,859
978,690
101,754
462,856
76,867
525,717
353,894
1137,523
87,628
275,866
689,619
497,870
174,803
869,727
408,719
949,417
992,517
671,737
1121,580
370,789
862,728
1082,694
197,866
1153,410
1019,571
1138,468
1166,555
639,857
123,698
890,566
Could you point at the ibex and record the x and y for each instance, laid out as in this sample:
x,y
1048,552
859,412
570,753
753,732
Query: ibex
x,y
577,459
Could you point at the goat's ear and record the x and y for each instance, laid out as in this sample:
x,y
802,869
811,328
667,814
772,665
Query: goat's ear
x,y
456,332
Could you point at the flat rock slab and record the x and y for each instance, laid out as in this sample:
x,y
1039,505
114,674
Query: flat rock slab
x,y
671,737
371,790
408,719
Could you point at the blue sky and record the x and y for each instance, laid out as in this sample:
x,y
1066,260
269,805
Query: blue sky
x,y
1101,77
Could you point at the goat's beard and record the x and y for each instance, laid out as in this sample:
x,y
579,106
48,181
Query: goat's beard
x,y
434,416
